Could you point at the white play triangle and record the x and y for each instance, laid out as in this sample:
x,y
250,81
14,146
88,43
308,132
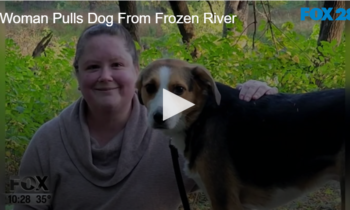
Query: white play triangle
x,y
173,104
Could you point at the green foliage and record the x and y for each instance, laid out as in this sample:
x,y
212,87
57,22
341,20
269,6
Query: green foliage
x,y
287,60
36,91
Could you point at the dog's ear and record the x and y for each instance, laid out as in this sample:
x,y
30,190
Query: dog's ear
x,y
202,74
138,87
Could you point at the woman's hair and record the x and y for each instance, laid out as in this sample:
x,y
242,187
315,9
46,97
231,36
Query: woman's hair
x,y
103,29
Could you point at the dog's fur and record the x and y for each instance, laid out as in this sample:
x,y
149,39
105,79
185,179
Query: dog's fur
x,y
248,155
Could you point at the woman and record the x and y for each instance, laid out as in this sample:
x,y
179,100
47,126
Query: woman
x,y
99,152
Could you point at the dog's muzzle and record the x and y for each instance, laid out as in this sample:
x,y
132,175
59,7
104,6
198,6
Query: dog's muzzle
x,y
158,119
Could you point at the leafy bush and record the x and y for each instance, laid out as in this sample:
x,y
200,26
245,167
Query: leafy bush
x,y
285,60
36,91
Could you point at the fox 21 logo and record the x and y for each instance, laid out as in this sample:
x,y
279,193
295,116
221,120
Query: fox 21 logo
x,y
324,13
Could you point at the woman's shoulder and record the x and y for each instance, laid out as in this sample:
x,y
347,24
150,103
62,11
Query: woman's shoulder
x,y
50,130
46,132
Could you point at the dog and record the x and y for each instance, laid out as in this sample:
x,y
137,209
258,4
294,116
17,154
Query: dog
x,y
247,155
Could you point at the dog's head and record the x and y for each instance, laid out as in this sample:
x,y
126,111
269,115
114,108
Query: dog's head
x,y
189,81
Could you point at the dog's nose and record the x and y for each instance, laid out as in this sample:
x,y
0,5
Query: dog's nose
x,y
158,117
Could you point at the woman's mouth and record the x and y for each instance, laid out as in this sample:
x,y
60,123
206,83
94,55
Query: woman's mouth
x,y
106,89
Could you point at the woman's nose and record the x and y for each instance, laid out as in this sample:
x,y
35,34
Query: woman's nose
x,y
106,74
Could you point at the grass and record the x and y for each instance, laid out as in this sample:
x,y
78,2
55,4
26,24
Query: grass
x,y
325,198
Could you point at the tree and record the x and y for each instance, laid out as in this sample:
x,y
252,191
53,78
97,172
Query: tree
x,y
332,30
239,8
41,46
129,8
187,29
180,9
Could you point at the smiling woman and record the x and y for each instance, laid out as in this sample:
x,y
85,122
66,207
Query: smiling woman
x,y
106,77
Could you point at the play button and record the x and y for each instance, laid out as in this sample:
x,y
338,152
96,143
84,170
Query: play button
x,y
173,104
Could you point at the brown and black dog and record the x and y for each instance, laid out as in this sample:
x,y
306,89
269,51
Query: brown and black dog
x,y
247,155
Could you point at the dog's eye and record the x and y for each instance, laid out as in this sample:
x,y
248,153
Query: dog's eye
x,y
150,88
178,90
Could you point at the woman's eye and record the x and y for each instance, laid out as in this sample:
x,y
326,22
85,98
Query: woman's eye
x,y
116,64
92,67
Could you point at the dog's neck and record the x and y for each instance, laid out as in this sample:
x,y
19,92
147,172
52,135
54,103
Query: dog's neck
x,y
192,116
178,135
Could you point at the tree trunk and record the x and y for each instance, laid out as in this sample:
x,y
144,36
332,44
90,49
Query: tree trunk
x,y
186,29
239,8
307,3
129,8
41,46
329,31
332,30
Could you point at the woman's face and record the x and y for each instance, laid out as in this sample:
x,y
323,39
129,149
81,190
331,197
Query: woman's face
x,y
106,73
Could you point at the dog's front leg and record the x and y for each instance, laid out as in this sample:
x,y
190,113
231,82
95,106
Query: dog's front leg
x,y
221,186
